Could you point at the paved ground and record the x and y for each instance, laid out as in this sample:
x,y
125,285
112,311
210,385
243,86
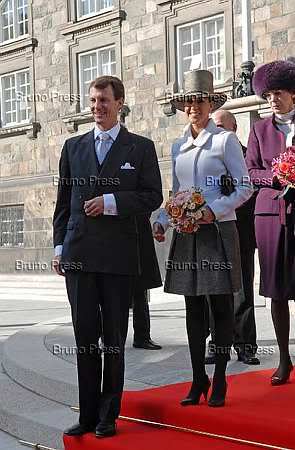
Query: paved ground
x,y
30,299
24,301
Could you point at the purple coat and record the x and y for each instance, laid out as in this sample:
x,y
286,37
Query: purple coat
x,y
265,142
275,242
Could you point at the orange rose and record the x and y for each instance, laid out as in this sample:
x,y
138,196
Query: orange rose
x,y
197,198
285,167
176,212
168,207
188,227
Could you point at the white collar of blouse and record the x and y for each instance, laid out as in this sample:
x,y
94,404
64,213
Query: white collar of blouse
x,y
201,139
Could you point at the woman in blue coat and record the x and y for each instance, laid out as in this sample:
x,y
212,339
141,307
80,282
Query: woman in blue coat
x,y
207,262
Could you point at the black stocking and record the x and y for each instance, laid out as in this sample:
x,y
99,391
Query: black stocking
x,y
222,309
281,320
195,325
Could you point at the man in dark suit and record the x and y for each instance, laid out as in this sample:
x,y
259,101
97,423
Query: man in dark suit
x,y
245,326
108,176
149,278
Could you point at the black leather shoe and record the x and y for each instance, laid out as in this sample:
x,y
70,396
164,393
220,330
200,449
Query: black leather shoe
x,y
196,391
217,398
251,360
277,378
105,430
147,345
79,429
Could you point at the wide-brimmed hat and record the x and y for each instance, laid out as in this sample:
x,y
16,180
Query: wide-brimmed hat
x,y
274,75
198,84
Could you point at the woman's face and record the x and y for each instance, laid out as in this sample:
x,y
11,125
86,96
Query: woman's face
x,y
198,111
280,101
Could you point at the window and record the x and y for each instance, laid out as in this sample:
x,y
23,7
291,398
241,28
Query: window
x,y
200,44
12,226
94,64
14,93
13,19
91,7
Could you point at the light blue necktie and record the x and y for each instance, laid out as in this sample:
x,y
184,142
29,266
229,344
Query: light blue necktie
x,y
103,146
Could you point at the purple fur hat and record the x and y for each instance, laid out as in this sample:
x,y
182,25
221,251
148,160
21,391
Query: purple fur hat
x,y
274,75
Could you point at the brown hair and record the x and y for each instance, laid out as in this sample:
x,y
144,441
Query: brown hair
x,y
107,80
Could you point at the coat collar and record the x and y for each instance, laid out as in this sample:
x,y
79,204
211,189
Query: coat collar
x,y
201,139
115,158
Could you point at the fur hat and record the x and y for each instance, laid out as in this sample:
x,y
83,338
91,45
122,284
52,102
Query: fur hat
x,y
198,84
274,75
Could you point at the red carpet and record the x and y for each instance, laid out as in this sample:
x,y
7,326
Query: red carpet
x,y
254,411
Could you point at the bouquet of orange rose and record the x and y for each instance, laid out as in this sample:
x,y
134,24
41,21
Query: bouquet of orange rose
x,y
283,167
185,209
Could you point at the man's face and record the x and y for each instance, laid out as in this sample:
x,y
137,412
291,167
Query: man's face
x,y
280,101
104,107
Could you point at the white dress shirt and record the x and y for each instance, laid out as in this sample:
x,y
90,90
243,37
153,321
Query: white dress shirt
x,y
109,201
110,207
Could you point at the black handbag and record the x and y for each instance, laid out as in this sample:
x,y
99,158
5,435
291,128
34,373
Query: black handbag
x,y
227,186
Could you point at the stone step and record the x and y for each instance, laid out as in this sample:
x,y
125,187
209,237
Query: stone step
x,y
8,442
30,417
28,362
25,285
52,278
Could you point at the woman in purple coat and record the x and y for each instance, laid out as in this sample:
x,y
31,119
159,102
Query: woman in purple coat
x,y
274,217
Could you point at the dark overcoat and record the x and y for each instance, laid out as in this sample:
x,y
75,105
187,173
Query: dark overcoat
x,y
107,244
150,274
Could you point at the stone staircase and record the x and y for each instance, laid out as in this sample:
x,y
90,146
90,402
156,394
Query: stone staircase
x,y
37,389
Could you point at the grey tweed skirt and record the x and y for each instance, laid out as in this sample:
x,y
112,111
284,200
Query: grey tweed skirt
x,y
206,262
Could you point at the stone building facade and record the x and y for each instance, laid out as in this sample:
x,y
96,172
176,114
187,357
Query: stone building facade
x,y
50,50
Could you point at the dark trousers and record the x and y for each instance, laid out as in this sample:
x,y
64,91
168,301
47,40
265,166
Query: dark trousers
x,y
100,308
141,315
244,310
196,324
245,326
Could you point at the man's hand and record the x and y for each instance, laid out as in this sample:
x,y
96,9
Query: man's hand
x,y
94,207
208,216
55,263
158,232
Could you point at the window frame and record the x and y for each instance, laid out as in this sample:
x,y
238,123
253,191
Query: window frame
x,y
15,24
2,110
13,243
86,16
179,59
176,14
80,55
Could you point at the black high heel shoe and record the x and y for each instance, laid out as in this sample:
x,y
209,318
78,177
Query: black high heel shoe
x,y
277,380
195,393
218,394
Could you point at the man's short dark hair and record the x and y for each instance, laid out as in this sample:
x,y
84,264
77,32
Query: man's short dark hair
x,y
106,80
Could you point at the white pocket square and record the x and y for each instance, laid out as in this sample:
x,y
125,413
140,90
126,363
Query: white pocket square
x,y
127,166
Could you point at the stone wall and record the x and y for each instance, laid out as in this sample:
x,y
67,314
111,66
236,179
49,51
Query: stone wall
x,y
27,166
273,28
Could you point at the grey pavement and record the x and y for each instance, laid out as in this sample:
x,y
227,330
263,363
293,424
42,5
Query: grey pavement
x,y
28,300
